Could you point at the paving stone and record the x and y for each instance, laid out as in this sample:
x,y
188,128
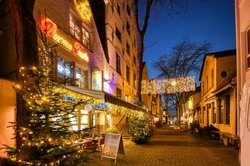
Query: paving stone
x,y
172,148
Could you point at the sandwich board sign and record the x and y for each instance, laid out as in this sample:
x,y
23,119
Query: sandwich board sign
x,y
112,146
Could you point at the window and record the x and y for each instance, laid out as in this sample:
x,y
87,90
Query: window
x,y
128,10
128,28
118,93
134,59
220,111
78,31
134,80
128,48
248,48
74,28
85,37
118,9
214,113
127,74
227,109
64,69
81,78
118,34
212,77
118,64
207,83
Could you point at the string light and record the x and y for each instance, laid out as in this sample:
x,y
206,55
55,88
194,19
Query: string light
x,y
168,86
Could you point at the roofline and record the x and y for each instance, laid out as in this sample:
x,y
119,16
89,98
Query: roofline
x,y
217,54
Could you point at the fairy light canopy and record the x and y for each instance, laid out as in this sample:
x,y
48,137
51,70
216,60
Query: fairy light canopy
x,y
168,86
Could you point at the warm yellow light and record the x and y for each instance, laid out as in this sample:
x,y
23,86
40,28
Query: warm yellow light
x,y
44,98
63,42
50,139
18,86
83,56
83,9
34,68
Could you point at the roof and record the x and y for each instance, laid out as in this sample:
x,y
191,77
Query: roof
x,y
217,55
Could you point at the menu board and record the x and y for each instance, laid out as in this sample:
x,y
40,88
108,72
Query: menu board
x,y
112,144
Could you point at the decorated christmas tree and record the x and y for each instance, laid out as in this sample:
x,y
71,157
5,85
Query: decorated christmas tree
x,y
47,137
140,127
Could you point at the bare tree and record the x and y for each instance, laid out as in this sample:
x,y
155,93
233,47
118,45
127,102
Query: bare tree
x,y
184,59
142,9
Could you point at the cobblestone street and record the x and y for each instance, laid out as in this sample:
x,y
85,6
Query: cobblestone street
x,y
173,148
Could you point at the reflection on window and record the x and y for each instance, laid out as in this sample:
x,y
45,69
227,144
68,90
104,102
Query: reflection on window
x,y
64,68
85,38
81,78
73,27
118,64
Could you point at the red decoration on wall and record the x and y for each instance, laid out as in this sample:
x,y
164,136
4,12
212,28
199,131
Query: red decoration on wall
x,y
48,27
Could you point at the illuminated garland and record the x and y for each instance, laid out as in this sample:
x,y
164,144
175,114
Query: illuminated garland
x,y
168,86
83,9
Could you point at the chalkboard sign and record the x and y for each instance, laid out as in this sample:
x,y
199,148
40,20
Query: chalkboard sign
x,y
112,146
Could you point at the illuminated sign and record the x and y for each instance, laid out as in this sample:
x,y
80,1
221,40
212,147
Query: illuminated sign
x,y
97,80
68,98
49,28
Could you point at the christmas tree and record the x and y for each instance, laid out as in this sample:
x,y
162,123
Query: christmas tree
x,y
47,138
140,127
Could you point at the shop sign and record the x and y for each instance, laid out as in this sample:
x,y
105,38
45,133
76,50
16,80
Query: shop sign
x,y
68,98
112,146
49,28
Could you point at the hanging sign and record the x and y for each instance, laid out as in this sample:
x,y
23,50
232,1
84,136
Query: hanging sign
x,y
112,146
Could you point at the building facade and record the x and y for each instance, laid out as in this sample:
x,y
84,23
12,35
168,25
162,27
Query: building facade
x,y
218,91
243,75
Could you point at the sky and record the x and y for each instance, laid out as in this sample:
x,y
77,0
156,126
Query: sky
x,y
211,21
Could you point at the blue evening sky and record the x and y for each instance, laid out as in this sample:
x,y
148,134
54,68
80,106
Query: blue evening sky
x,y
212,21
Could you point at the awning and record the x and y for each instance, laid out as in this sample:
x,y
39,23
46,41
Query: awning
x,y
223,91
106,97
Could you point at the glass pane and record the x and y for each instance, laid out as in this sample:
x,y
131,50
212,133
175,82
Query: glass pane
x,y
84,112
83,127
73,119
84,119
74,128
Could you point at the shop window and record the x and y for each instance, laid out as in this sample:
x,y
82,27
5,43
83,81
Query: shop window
x,y
81,78
85,37
74,28
227,109
118,34
118,93
118,64
84,119
128,74
64,69
248,48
